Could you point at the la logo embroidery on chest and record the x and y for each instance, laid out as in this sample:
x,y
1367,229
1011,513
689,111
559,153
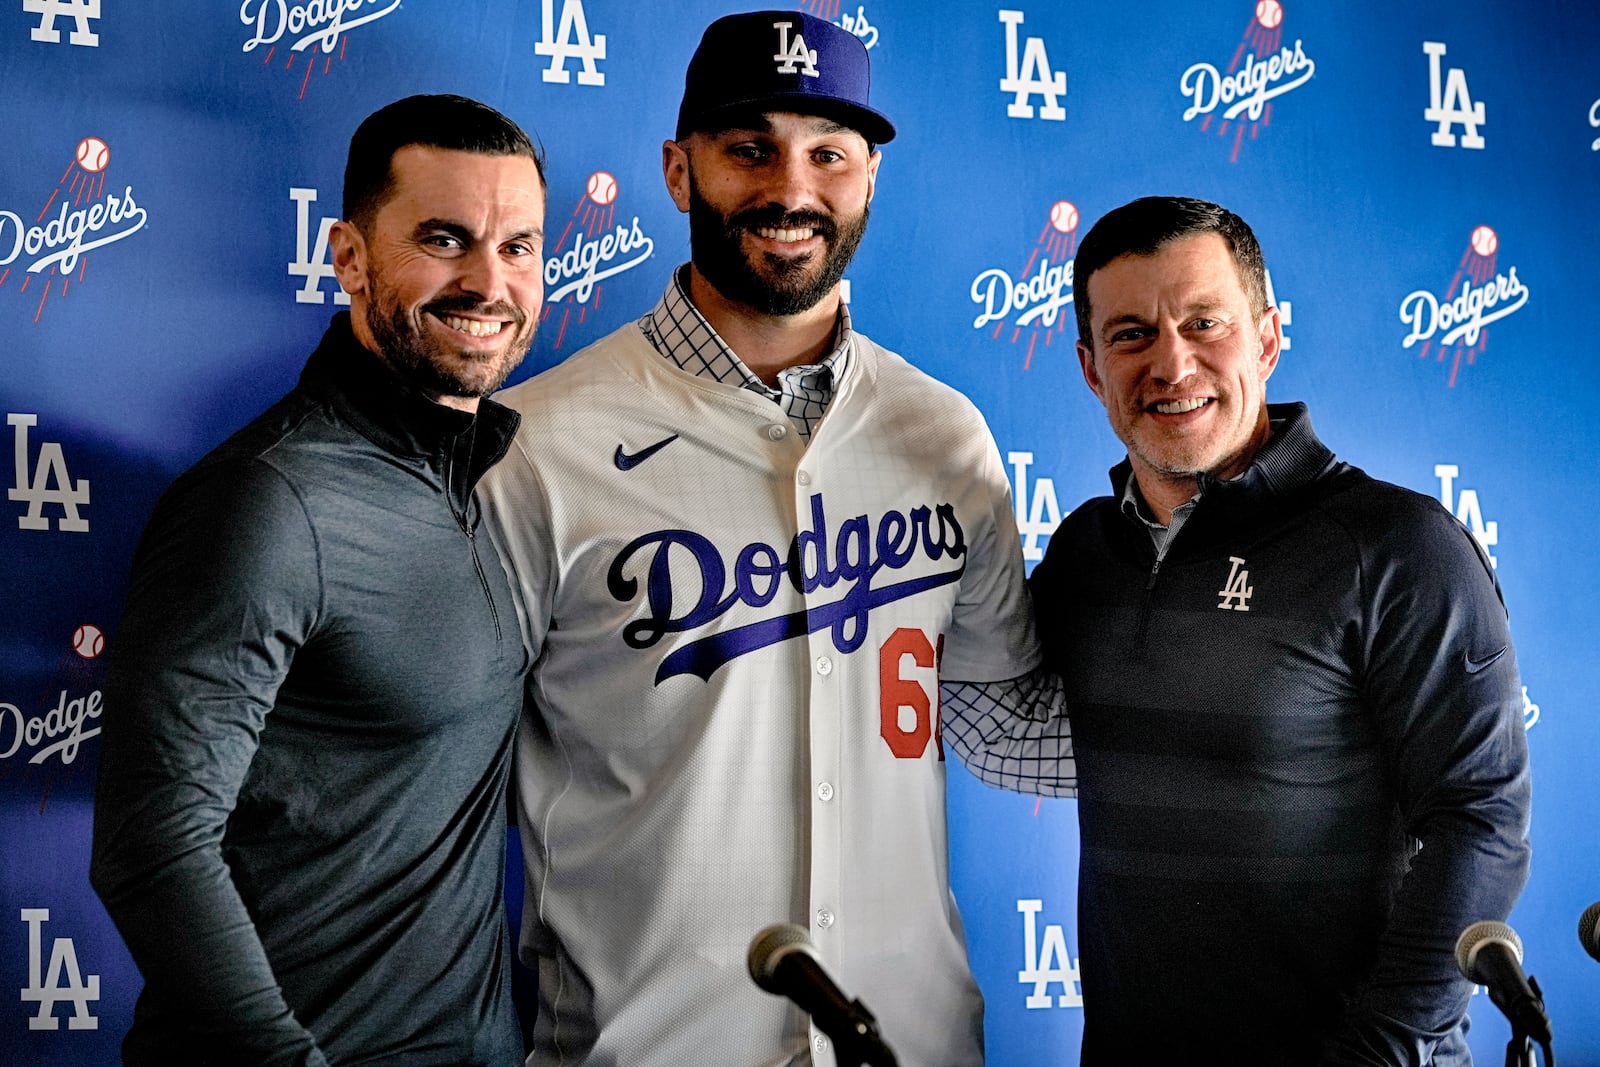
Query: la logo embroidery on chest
x,y
793,55
1236,594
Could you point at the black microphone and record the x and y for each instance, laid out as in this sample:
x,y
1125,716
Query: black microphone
x,y
1490,954
1589,929
784,962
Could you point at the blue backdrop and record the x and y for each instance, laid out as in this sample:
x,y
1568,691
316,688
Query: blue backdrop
x,y
1423,177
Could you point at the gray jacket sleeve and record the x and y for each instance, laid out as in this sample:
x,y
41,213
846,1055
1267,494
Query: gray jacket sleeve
x,y
225,587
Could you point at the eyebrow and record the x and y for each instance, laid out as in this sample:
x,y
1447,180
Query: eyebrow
x,y
1128,318
455,229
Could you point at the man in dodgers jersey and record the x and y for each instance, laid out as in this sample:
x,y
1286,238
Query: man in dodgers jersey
x,y
750,543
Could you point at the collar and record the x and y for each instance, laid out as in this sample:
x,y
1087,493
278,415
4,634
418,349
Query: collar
x,y
1290,458
393,415
676,329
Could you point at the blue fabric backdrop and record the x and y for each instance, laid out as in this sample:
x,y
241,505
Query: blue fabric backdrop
x,y
1423,177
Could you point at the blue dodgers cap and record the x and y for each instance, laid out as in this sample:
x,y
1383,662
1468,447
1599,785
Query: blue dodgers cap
x,y
780,61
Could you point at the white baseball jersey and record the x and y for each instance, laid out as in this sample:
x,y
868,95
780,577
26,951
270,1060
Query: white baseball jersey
x,y
733,709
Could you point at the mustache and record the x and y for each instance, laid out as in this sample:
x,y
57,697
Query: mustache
x,y
469,305
775,217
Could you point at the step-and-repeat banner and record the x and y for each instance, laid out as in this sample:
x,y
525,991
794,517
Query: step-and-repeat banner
x,y
1424,178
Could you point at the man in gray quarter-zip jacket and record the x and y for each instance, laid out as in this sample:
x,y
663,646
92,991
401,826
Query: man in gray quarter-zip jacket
x,y
299,824
1295,707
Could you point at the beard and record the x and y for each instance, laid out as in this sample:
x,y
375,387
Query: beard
x,y
429,363
771,284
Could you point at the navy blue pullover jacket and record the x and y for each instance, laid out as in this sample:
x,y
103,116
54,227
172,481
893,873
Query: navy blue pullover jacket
x,y
1302,765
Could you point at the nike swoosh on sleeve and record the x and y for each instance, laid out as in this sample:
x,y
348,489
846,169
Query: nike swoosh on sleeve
x,y
1476,665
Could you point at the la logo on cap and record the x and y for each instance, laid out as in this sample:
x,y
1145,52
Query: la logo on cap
x,y
793,56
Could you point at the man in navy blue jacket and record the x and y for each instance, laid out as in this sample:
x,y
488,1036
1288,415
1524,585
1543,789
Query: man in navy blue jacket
x,y
1295,706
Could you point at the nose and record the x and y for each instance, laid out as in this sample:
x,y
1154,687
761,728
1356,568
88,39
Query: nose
x,y
792,183
484,274
1172,358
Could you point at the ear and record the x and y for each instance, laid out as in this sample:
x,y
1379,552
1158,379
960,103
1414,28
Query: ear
x,y
1271,336
675,169
349,257
1090,375
872,174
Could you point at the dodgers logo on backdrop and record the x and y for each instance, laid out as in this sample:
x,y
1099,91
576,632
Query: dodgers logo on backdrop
x,y
81,216
1046,961
569,39
600,248
312,261
1465,507
1038,509
1261,70
1479,293
1036,299
308,31
675,562
857,23
80,12
1450,103
45,481
1032,75
62,980
51,730
1594,121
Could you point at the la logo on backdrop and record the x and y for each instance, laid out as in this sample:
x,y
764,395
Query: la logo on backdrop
x,y
599,248
1478,294
306,32
45,252
1262,69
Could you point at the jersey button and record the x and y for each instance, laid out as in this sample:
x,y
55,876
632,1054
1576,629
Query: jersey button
x,y
825,791
819,1043
824,665
777,431
824,918
804,477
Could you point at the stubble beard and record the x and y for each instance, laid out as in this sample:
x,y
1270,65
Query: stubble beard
x,y
775,285
433,367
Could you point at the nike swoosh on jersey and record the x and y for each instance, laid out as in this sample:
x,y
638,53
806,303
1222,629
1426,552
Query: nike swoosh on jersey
x,y
1476,665
626,462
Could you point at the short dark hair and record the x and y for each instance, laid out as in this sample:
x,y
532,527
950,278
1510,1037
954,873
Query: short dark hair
x,y
1144,226
441,121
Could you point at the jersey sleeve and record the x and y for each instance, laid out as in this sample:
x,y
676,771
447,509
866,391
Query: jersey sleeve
x,y
225,587
991,635
1443,686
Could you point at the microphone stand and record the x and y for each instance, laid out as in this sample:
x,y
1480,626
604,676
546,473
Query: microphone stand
x,y
1519,1051
863,1047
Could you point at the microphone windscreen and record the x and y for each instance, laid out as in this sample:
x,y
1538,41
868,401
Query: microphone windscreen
x,y
1589,929
1477,935
771,945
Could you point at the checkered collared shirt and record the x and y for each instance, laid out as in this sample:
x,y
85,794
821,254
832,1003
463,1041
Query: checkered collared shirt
x,y
676,329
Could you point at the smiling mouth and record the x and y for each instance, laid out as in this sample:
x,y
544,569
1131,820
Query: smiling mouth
x,y
786,235
1180,407
472,327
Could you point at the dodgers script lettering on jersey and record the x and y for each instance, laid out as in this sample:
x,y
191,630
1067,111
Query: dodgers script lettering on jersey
x,y
856,557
